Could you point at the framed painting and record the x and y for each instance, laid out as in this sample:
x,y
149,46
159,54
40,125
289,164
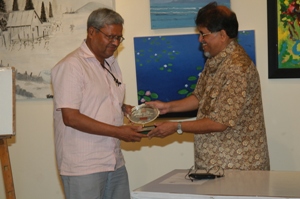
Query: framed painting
x,y
168,67
284,38
177,13
35,35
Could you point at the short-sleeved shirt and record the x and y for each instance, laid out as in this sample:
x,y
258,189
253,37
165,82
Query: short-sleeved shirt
x,y
229,93
80,82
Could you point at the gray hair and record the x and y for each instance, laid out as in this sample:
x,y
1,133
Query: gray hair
x,y
104,16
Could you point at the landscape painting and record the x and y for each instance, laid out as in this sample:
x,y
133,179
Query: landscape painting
x,y
36,34
177,13
167,67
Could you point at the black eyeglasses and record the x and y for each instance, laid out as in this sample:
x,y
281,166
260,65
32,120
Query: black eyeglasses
x,y
112,37
204,34
211,173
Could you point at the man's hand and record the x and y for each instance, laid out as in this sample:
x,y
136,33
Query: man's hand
x,y
129,133
161,106
163,130
127,109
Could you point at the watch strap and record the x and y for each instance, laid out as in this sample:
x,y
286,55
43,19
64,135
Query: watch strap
x,y
179,130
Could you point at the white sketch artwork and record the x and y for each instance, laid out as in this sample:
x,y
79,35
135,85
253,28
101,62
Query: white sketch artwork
x,y
36,34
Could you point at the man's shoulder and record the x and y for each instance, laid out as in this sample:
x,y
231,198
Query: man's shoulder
x,y
69,63
71,57
239,57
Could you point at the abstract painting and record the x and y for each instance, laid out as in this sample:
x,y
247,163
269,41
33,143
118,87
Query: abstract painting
x,y
36,34
284,38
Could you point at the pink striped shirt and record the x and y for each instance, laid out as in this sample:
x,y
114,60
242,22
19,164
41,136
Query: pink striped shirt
x,y
79,82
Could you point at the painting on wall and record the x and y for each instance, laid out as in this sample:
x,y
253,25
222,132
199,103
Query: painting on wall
x,y
177,13
167,67
284,38
36,34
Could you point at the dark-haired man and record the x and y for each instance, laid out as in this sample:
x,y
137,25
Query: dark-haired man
x,y
229,128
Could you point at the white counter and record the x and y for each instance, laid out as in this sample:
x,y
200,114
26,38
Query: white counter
x,y
234,185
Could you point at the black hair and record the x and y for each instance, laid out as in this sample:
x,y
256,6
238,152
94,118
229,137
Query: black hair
x,y
216,17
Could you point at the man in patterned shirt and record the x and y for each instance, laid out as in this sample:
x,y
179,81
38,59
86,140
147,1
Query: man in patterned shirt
x,y
229,129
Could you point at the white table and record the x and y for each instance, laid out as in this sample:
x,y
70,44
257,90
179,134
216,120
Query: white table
x,y
234,185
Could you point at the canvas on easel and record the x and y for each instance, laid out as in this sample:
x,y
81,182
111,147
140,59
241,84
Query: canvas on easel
x,y
7,125
7,101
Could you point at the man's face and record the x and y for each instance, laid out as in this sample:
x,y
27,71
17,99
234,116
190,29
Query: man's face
x,y
101,42
210,42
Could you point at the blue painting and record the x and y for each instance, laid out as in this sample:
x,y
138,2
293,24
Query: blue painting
x,y
177,13
167,67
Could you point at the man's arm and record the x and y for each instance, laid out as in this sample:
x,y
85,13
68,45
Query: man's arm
x,y
201,126
73,118
187,104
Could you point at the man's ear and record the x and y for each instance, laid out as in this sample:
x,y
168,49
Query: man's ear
x,y
224,35
91,31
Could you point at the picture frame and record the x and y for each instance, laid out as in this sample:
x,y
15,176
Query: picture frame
x,y
177,14
166,70
34,46
281,60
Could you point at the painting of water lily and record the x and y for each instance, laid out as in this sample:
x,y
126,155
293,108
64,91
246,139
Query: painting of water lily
x,y
167,67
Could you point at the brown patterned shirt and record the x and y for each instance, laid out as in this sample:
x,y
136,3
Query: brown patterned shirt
x,y
229,92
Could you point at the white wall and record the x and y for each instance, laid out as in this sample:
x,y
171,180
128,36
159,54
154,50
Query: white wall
x,y
32,150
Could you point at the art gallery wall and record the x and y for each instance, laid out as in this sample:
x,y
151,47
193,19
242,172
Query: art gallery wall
x,y
32,149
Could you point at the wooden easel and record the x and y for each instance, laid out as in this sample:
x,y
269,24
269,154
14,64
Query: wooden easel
x,y
6,170
8,125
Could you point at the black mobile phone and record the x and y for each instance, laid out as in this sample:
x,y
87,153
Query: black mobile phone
x,y
202,176
147,129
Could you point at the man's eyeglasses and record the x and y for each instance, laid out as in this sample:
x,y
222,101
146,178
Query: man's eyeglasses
x,y
112,37
204,34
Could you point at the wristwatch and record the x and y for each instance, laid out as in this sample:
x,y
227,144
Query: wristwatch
x,y
179,130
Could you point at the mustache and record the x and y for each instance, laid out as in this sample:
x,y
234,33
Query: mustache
x,y
112,45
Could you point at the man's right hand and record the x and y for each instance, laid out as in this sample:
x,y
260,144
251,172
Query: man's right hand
x,y
161,106
129,133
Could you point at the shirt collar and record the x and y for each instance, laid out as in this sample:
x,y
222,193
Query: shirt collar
x,y
87,53
214,62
